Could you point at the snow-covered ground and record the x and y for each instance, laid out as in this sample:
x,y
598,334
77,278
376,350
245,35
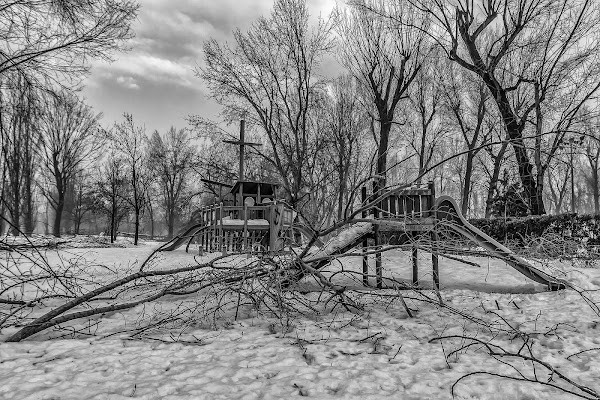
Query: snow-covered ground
x,y
380,353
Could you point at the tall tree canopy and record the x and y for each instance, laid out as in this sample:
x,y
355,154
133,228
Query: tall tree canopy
x,y
539,61
54,39
270,72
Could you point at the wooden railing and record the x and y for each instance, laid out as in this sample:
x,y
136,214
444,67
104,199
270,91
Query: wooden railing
x,y
411,211
415,205
224,236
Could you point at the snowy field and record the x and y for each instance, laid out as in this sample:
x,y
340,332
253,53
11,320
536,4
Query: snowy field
x,y
380,353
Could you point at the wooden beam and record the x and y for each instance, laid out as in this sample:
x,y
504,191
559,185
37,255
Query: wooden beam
x,y
240,143
216,183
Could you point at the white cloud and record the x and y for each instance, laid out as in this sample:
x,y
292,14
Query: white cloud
x,y
128,82
132,68
157,74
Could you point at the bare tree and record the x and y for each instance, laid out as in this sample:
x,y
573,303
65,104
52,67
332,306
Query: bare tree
x,y
271,73
19,114
49,40
171,157
108,194
70,139
558,176
466,104
593,157
385,56
497,153
82,198
346,125
131,141
528,54
424,125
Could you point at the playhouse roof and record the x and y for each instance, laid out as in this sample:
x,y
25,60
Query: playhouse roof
x,y
251,187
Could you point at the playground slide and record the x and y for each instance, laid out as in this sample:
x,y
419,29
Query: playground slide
x,y
447,210
183,237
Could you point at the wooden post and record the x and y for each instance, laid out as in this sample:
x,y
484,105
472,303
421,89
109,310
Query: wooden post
x,y
378,264
245,232
272,233
209,230
203,238
220,216
241,171
206,231
258,196
365,243
415,262
434,238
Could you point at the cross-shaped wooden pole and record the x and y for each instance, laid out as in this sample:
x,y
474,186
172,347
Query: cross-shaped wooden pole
x,y
242,144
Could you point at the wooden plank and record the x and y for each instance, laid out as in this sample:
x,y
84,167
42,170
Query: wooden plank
x,y
393,205
407,228
272,225
204,240
417,205
221,228
245,233
216,183
240,228
415,191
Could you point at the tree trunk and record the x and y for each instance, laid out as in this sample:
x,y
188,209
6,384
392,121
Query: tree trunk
x,y
137,226
2,215
171,223
493,187
384,136
466,192
151,214
29,209
561,195
343,168
14,174
113,219
596,190
515,132
58,214
593,159
47,224
15,214
340,205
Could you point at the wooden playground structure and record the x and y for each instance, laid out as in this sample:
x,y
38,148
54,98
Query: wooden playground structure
x,y
256,221
244,228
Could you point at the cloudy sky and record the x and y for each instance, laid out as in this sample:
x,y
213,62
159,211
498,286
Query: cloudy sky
x,y
155,80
